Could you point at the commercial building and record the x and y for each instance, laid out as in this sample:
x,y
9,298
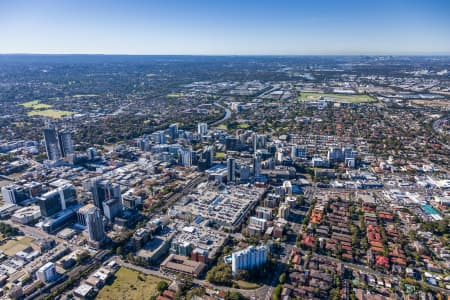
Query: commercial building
x,y
94,223
14,193
56,200
57,144
173,131
186,158
47,273
249,258
103,190
231,169
112,208
182,265
202,129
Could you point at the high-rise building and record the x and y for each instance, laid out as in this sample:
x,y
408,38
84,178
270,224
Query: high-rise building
x,y
202,129
186,158
159,137
231,143
112,208
144,144
65,143
56,200
231,169
14,193
259,141
256,165
298,152
249,258
57,144
287,187
173,131
207,156
47,273
244,173
283,211
91,153
94,223
52,144
103,190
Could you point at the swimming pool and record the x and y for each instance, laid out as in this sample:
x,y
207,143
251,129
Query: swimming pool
x,y
430,209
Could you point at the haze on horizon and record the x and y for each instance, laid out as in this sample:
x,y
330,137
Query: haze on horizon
x,y
254,27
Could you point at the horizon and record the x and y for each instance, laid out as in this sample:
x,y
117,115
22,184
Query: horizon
x,y
226,28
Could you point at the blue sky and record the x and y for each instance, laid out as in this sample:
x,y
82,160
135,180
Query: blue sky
x,y
225,26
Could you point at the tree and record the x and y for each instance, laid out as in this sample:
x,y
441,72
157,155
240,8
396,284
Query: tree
x,y
277,292
162,286
282,278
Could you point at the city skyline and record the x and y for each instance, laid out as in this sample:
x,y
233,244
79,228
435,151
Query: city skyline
x,y
226,27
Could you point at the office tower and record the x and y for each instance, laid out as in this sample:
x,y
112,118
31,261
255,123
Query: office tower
x,y
287,187
144,143
202,129
102,190
57,144
298,152
14,193
244,173
335,154
56,200
186,158
173,131
91,153
249,258
207,156
256,165
94,223
231,143
259,141
65,143
112,208
52,144
231,169
159,137
47,273
283,211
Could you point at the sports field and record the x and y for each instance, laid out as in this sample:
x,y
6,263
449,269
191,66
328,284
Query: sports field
x,y
51,113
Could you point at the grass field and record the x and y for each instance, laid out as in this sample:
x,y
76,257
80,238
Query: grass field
x,y
174,95
51,113
357,98
84,96
129,284
13,246
246,285
35,104
220,155
243,126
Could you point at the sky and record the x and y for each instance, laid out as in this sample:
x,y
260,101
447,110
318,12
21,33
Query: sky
x,y
225,27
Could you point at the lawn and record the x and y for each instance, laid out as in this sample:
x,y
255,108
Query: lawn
x,y
220,155
243,126
84,96
51,113
246,285
13,246
129,284
356,98
35,104
175,95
